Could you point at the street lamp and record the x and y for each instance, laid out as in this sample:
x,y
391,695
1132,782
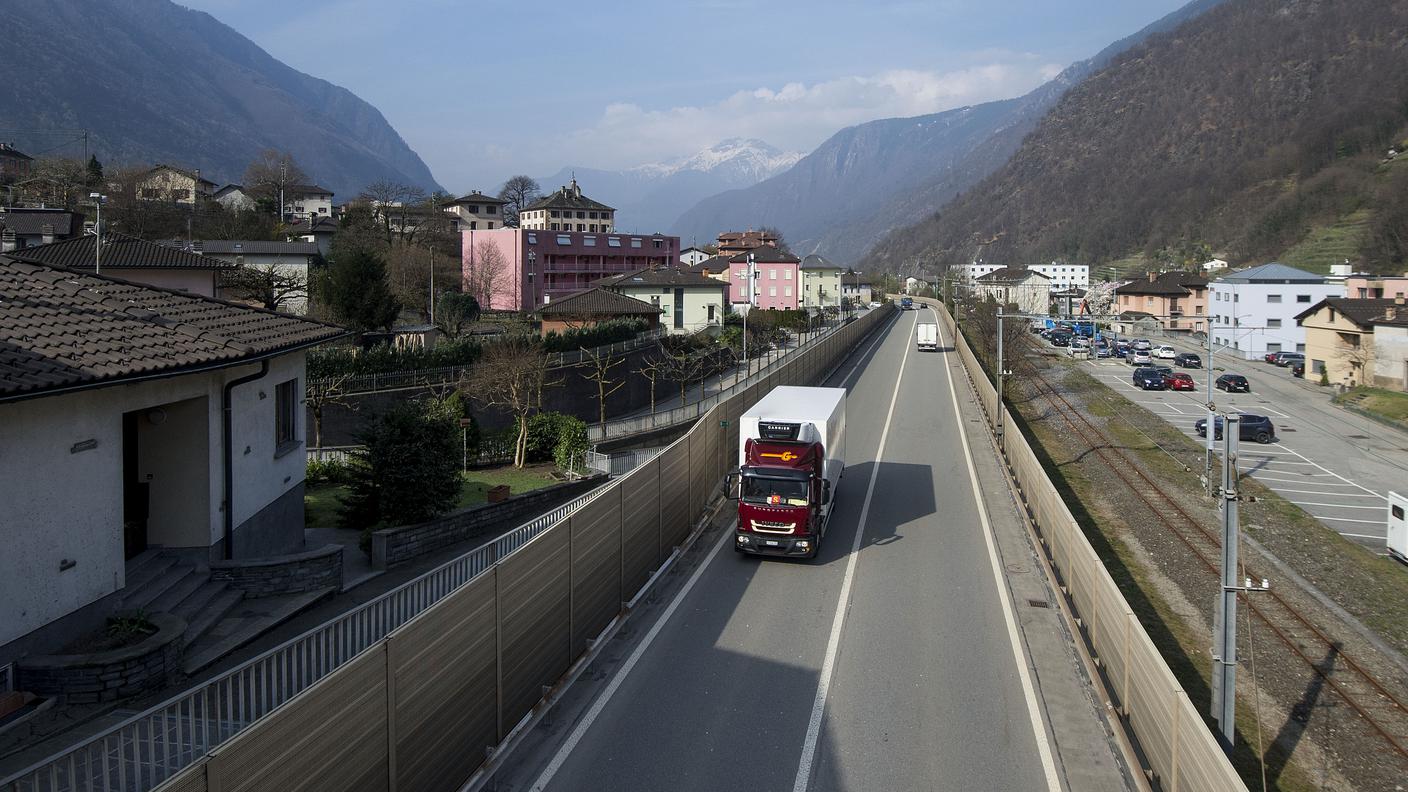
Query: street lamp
x,y
98,199
748,297
532,261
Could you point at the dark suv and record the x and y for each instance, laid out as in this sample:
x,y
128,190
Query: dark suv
x,y
1149,379
1187,360
1250,427
1233,383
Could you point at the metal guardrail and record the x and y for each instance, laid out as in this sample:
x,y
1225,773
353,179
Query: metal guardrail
x,y
446,375
623,463
152,746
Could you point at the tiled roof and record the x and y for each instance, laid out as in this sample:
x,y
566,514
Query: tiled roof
x,y
815,261
475,197
765,254
32,221
258,247
119,252
1010,275
1360,310
182,171
659,277
12,153
1271,273
61,329
858,279
597,302
569,197
1173,284
711,264
305,189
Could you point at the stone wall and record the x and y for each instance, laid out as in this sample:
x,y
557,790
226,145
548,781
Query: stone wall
x,y
393,546
112,675
289,574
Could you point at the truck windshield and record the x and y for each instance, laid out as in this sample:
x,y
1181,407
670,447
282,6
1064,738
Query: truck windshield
x,y
777,492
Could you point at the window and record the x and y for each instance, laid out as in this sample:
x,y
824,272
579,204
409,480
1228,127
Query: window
x,y
772,274
285,415
593,228
473,209
1273,347
711,313
581,226
635,243
491,225
581,215
1397,511
787,274
552,227
772,291
1236,297
563,239
1273,298
1300,347
787,291
658,243
555,214
1273,323
591,215
613,241
589,241
532,239
472,223
1302,298
491,210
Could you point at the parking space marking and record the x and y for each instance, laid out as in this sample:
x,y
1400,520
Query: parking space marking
x,y
1337,505
1346,519
1365,536
1335,494
1303,481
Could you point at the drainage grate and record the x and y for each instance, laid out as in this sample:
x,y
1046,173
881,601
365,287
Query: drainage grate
x,y
1038,603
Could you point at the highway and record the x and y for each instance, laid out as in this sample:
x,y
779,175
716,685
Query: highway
x,y
906,657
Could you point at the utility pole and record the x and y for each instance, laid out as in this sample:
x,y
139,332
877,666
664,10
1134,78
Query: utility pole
x,y
748,298
98,199
1211,416
1224,650
1000,367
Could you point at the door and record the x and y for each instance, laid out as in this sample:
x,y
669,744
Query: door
x,y
679,309
135,493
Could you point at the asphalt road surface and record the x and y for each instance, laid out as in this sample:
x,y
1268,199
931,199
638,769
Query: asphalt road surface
x,y
895,661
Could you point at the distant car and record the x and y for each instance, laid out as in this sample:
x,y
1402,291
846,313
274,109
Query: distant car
x,y
1187,360
1139,357
1078,352
1250,427
1103,352
1165,352
1121,350
1080,341
1178,381
1298,368
874,305
1233,383
1148,379
1270,357
1287,358
1060,340
1142,344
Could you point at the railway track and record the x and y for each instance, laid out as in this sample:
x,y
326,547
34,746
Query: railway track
x,y
1380,709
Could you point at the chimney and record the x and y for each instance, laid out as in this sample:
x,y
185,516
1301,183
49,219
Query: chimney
x,y
7,241
46,233
1391,313
1151,276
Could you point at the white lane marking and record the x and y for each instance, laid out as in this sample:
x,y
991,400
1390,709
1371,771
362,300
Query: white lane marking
x,y
1303,481
1048,765
1364,536
1346,519
562,753
878,335
1330,494
1337,505
1333,473
833,642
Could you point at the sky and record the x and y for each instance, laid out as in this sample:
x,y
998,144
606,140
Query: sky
x,y
483,91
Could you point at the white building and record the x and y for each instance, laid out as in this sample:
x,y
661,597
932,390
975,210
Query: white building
x,y
821,282
304,201
689,302
294,259
691,256
1060,276
235,198
1253,311
113,436
1028,289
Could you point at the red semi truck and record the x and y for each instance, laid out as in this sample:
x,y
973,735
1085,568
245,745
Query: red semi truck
x,y
792,448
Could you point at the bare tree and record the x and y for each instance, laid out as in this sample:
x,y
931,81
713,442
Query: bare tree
x,y
270,175
488,274
395,206
322,393
408,270
650,369
56,181
270,286
511,376
519,191
1359,354
601,363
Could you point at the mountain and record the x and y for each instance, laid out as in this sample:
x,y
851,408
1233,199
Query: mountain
x,y
867,179
1255,129
648,198
152,81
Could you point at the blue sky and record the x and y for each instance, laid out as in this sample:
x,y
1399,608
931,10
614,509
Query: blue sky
x,y
486,90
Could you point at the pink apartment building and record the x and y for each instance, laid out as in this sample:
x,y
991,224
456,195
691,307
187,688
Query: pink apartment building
x,y
777,276
520,269
1362,286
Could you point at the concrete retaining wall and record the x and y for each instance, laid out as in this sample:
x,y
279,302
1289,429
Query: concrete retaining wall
x,y
393,546
288,574
112,675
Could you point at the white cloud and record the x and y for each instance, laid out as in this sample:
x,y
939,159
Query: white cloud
x,y
794,116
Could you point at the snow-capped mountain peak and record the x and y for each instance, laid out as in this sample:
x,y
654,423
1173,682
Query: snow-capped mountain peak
x,y
747,159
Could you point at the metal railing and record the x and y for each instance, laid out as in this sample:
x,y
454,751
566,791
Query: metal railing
x,y
342,453
625,427
623,463
152,746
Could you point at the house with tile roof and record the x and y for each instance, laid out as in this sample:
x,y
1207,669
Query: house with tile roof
x,y
304,201
693,255
1253,311
731,243
135,419
1390,369
568,210
688,301
857,288
135,260
1340,337
175,185
293,260
777,279
14,164
476,210
1177,299
821,282
23,227
1026,288
593,306
235,198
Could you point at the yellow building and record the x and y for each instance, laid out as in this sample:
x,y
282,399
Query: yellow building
x,y
1339,338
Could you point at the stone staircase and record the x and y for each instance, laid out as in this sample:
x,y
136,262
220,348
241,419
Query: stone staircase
x,y
163,582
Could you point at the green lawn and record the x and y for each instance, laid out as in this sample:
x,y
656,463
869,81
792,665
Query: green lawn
x,y
320,502
1391,406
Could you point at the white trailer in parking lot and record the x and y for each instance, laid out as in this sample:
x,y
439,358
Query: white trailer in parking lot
x,y
1398,526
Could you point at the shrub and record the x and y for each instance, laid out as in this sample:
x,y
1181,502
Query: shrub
x,y
327,471
601,334
381,358
570,453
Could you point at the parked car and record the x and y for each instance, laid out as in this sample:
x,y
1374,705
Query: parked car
x,y
1287,358
1060,339
1103,352
1142,344
1148,379
1121,350
1270,357
1080,341
1250,427
1298,368
1137,357
1233,383
1078,352
1165,353
1187,360
1178,381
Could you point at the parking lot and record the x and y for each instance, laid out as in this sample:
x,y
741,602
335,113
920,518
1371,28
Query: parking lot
x,y
1334,464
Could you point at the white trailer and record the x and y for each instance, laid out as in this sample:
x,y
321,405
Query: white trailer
x,y
1398,526
926,336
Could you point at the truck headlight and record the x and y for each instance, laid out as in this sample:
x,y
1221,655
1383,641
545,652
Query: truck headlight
x,y
743,540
